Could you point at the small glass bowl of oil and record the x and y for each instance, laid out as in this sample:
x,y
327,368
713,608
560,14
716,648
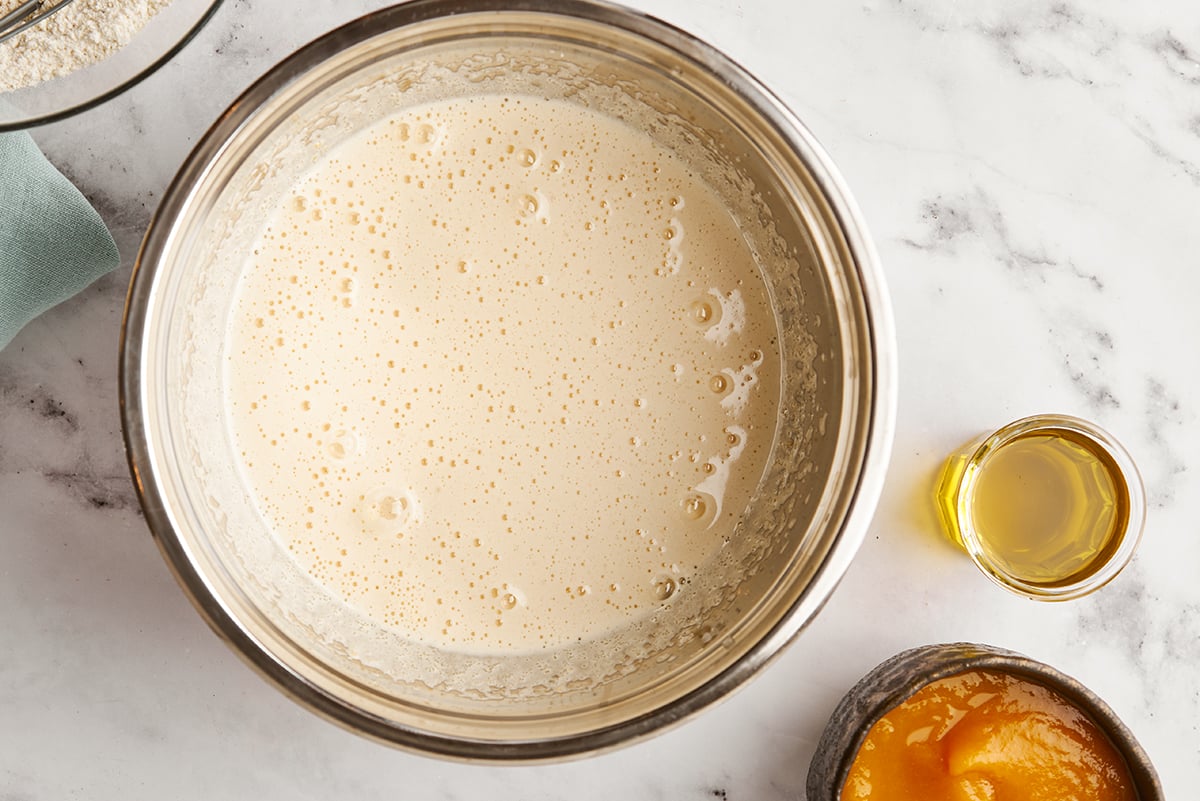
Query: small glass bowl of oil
x,y
1050,507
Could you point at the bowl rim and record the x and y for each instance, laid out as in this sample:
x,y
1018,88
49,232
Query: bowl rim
x,y
878,411
123,86
891,682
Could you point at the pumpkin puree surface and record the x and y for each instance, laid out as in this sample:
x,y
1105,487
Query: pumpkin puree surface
x,y
982,736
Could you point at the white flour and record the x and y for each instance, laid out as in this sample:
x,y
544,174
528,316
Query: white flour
x,y
83,33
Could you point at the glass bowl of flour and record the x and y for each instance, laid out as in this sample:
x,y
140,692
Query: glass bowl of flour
x,y
88,52
508,381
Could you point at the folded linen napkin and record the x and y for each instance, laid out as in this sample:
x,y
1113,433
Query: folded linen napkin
x,y
52,242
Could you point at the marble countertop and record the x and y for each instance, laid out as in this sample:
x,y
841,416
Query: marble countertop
x,y
1031,175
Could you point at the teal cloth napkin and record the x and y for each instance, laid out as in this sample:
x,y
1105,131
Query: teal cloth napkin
x,y
52,242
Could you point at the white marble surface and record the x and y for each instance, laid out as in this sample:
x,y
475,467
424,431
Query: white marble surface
x,y
1031,174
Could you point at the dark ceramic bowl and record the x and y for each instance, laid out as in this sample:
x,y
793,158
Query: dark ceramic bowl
x,y
895,680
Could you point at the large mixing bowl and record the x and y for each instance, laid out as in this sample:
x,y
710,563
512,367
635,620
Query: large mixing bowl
x,y
795,540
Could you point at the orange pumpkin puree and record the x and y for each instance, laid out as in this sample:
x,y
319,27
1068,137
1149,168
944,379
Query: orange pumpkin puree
x,y
983,736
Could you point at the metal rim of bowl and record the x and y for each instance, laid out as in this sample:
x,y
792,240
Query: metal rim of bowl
x,y
879,410
104,97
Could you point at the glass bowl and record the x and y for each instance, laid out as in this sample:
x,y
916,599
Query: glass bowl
x,y
793,543
1098,565
164,35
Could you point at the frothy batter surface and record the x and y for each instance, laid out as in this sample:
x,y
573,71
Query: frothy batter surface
x,y
502,374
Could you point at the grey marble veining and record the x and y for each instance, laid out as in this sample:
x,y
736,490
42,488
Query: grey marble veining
x,y
1031,175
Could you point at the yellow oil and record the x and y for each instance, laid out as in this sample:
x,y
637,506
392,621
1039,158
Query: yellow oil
x,y
1048,507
